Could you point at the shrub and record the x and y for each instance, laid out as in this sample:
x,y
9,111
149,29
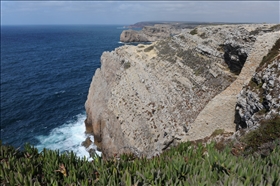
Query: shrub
x,y
275,27
268,131
126,65
148,49
217,132
193,32
270,56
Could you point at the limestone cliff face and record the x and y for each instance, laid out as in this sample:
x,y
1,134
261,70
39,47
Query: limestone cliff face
x,y
149,33
148,97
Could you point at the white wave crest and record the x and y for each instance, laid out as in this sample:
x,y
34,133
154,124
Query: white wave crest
x,y
68,137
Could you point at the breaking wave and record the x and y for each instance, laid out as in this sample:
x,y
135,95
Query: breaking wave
x,y
67,137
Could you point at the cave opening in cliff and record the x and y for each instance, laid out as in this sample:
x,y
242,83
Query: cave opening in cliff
x,y
234,57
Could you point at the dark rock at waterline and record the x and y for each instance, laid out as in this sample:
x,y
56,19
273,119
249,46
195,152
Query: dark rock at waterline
x,y
87,142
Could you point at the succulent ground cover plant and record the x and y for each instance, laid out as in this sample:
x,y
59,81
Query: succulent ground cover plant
x,y
187,164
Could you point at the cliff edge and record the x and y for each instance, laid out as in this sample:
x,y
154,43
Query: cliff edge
x,y
146,98
150,33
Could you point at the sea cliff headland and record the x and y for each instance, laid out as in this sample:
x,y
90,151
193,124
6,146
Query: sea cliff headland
x,y
181,87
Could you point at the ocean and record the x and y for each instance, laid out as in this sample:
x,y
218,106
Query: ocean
x,y
45,76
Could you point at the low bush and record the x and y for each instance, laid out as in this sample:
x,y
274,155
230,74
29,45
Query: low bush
x,y
193,32
149,48
126,65
268,131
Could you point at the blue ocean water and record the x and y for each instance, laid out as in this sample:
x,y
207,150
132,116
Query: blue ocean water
x,y
45,76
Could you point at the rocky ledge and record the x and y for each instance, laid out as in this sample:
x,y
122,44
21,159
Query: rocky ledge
x,y
147,98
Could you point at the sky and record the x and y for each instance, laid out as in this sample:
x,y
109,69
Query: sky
x,y
130,12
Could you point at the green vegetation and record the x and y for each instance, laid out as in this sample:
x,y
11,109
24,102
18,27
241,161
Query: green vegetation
x,y
126,65
255,32
149,48
182,37
275,27
268,131
203,35
199,71
217,132
163,47
270,56
254,85
186,164
193,32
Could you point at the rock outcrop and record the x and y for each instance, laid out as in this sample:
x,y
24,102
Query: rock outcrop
x,y
146,98
149,33
260,99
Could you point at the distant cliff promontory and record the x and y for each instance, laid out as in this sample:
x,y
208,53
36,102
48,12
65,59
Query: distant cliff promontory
x,y
149,33
177,24
153,31
181,87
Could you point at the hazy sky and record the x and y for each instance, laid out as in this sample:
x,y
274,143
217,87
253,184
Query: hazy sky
x,y
129,12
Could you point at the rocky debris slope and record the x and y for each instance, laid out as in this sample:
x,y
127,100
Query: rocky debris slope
x,y
260,99
149,33
146,98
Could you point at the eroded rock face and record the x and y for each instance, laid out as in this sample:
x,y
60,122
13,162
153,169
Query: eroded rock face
x,y
145,98
149,33
260,99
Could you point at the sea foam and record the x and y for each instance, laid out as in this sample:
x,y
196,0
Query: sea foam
x,y
68,137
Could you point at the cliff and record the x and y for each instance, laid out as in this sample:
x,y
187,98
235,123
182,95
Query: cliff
x,y
177,24
147,98
150,33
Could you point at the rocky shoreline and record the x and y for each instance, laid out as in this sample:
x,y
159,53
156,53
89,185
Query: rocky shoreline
x,y
181,87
